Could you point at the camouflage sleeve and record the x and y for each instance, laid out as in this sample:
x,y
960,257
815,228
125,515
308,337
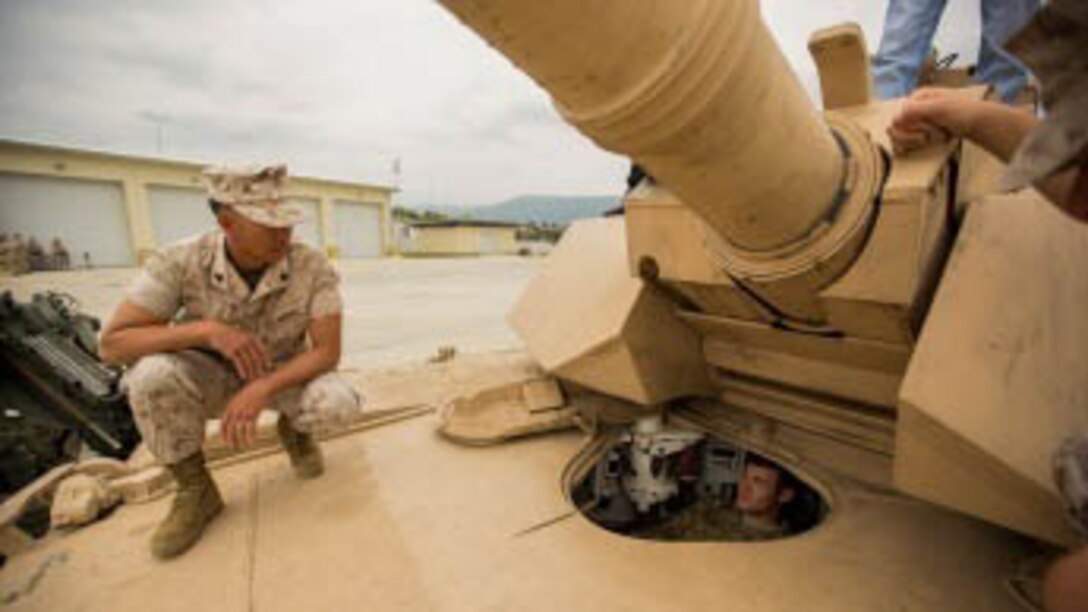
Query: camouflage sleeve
x,y
158,287
326,297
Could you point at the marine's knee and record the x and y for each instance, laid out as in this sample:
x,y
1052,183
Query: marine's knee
x,y
159,380
328,399
330,393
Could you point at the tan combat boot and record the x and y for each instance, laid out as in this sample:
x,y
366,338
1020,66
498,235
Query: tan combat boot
x,y
304,452
196,503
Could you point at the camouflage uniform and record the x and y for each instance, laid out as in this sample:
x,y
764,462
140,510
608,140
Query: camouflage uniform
x,y
704,521
1054,45
172,395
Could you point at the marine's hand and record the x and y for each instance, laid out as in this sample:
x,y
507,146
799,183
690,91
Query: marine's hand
x,y
929,116
243,349
239,423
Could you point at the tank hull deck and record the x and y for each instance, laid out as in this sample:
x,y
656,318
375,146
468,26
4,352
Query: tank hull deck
x,y
405,520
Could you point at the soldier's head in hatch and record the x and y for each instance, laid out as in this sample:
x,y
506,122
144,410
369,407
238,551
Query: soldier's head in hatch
x,y
256,220
764,488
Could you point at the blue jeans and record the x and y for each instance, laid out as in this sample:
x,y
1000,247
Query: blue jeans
x,y
909,26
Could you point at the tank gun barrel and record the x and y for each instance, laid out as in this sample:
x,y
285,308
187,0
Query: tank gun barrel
x,y
697,92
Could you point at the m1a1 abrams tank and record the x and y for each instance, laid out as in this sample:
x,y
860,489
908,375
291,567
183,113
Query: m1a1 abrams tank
x,y
908,347
887,328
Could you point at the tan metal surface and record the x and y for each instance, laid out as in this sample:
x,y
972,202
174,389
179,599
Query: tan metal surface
x,y
500,414
842,61
586,319
405,521
998,376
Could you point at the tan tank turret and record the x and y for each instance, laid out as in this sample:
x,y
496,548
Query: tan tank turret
x,y
783,265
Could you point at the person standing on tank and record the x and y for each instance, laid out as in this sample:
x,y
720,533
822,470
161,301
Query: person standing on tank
x,y
909,28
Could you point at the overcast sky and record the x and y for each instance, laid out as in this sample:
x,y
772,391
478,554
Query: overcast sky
x,y
335,88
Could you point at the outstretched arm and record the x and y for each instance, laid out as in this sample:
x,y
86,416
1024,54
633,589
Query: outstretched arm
x,y
932,115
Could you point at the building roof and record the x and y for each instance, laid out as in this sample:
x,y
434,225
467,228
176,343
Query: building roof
x,y
194,165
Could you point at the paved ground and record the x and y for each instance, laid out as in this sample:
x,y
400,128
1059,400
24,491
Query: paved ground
x,y
397,310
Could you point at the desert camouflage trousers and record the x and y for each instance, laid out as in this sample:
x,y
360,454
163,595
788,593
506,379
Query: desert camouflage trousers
x,y
173,395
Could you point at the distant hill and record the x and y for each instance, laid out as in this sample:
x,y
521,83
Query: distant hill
x,y
560,210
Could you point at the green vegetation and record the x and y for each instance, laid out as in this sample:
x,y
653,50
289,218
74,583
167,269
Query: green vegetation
x,y
412,215
541,232
542,217
539,209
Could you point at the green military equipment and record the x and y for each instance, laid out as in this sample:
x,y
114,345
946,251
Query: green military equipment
x,y
55,394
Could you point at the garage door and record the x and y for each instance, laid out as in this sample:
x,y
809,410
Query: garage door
x,y
88,216
358,229
489,241
307,231
178,213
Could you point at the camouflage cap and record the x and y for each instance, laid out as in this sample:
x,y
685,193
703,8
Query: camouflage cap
x,y
255,192
1054,45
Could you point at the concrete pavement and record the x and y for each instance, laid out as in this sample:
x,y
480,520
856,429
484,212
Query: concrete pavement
x,y
396,310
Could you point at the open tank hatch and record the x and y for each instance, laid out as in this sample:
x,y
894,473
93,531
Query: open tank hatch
x,y
663,483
